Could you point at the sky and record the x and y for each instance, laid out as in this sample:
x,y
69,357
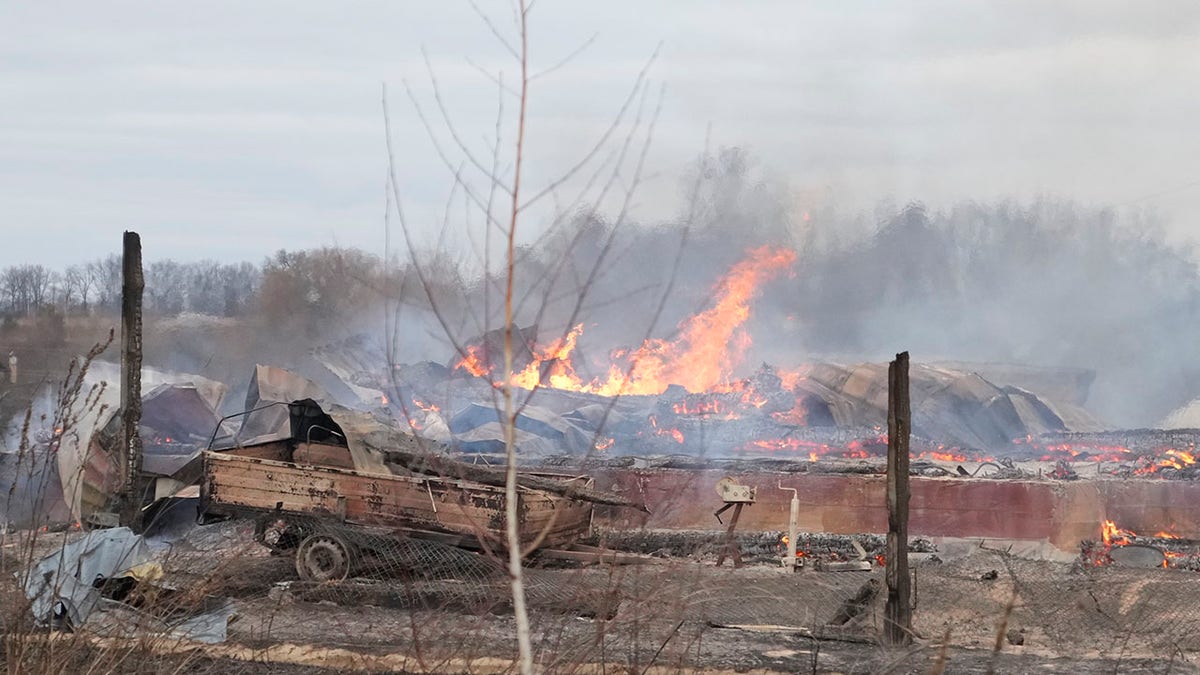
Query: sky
x,y
230,130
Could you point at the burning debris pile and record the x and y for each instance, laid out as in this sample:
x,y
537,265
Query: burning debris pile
x,y
1137,452
687,395
1117,546
178,419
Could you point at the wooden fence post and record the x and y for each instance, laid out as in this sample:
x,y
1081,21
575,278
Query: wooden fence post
x,y
898,613
131,379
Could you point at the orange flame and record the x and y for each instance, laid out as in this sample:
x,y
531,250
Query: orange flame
x,y
947,456
709,407
472,361
676,434
555,360
800,553
709,346
1112,535
427,407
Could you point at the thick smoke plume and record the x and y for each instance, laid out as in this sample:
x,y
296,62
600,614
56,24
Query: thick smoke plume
x,y
1044,283
1048,283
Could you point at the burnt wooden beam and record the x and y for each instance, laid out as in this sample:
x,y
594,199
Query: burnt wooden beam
x,y
897,627
433,465
132,285
856,605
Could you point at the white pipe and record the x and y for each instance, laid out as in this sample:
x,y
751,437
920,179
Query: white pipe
x,y
793,523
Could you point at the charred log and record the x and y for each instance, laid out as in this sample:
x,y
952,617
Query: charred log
x,y
857,604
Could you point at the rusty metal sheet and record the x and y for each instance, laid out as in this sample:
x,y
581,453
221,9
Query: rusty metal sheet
x,y
272,385
358,426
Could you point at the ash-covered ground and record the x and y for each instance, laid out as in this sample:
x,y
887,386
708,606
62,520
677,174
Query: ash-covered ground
x,y
681,612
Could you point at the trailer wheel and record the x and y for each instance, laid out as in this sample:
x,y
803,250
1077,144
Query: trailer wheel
x,y
324,557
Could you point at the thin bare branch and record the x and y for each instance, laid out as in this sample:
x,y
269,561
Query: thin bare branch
x,y
441,152
512,512
495,31
407,231
563,213
437,96
566,59
601,257
617,164
495,79
570,173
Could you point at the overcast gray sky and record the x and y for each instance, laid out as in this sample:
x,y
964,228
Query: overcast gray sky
x,y
229,130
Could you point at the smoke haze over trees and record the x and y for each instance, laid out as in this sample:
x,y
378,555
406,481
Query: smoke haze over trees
x,y
1049,283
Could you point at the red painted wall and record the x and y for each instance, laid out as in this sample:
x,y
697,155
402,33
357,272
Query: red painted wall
x,y
1062,513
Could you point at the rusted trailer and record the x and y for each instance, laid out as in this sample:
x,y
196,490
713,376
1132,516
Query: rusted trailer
x,y
337,520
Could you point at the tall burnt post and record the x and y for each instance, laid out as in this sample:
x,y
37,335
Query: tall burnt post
x,y
132,285
898,613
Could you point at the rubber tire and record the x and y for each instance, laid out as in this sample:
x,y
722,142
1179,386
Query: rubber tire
x,y
324,557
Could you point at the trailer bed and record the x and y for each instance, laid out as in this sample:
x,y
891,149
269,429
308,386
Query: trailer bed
x,y
234,484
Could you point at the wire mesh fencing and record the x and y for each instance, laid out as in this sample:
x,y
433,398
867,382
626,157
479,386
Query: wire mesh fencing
x,y
1073,608
322,584
319,582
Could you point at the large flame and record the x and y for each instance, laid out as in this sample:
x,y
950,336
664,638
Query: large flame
x,y
709,345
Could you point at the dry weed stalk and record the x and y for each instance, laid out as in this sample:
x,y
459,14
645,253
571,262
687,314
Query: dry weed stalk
x,y
27,646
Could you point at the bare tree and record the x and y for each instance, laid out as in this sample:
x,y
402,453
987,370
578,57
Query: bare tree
x,y
106,279
497,202
77,283
26,288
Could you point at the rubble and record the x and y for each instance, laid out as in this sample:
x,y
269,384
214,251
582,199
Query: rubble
x,y
820,410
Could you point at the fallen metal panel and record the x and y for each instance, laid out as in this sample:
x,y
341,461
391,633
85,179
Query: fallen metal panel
x,y
61,584
269,385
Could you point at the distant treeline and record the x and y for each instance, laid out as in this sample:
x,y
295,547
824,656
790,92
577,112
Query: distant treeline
x,y
315,284
95,288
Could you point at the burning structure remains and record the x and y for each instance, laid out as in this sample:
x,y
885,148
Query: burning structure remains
x,y
691,395
379,493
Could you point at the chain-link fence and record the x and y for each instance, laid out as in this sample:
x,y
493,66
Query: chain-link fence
x,y
1073,609
319,594
312,592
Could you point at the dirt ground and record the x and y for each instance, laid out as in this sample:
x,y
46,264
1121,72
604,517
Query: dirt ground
x,y
680,614
687,613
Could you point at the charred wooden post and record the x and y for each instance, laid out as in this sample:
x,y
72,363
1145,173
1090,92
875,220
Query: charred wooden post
x,y
897,628
132,285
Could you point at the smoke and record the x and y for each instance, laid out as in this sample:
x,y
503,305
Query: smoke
x,y
1048,283
30,493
